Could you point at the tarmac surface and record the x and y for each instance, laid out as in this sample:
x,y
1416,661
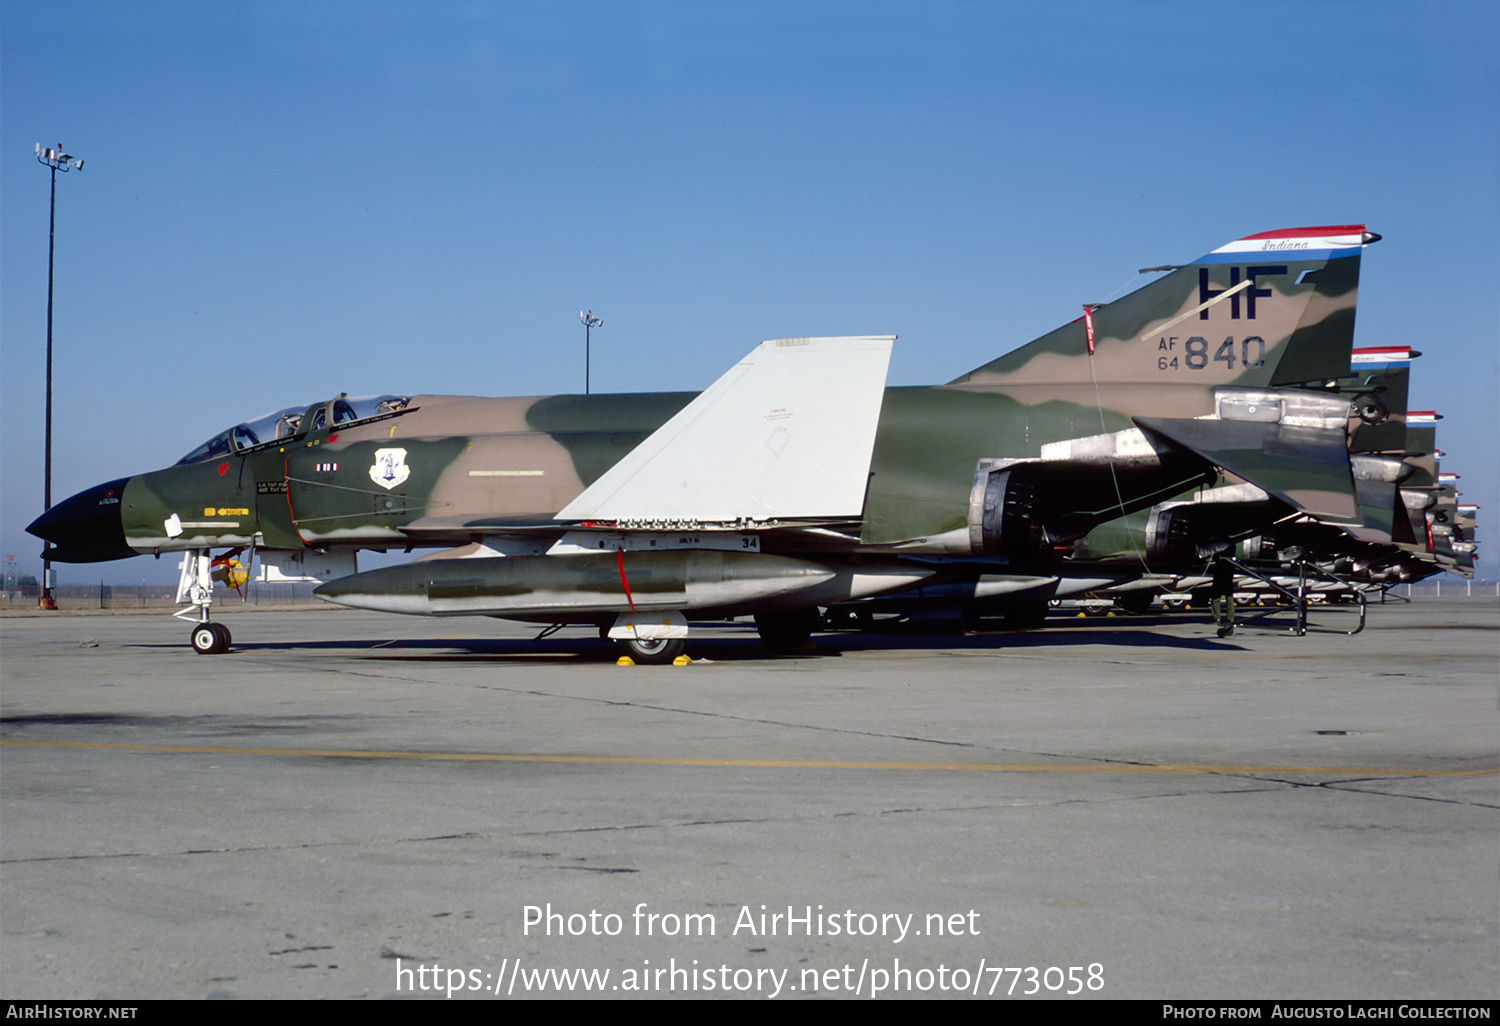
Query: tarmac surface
x,y
355,805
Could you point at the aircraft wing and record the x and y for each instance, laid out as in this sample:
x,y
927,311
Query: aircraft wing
x,y
787,433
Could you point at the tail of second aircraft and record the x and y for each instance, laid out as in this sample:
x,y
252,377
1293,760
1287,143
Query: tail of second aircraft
x,y
1270,309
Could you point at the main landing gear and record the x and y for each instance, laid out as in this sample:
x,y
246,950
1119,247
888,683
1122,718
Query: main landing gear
x,y
658,639
653,651
789,630
1027,616
652,639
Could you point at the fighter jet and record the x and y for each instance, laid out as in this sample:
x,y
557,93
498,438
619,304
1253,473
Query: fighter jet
x,y
797,481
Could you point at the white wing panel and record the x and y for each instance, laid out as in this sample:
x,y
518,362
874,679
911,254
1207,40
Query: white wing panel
x,y
787,432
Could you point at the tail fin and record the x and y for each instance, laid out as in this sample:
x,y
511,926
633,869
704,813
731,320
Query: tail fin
x,y
1270,309
1378,384
1417,488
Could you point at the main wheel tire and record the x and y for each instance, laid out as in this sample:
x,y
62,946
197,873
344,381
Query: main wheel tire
x,y
1137,603
788,631
653,651
1027,616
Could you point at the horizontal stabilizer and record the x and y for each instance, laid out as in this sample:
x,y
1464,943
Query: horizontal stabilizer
x,y
1306,466
787,433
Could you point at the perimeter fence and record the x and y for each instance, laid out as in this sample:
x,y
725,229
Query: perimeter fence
x,y
156,596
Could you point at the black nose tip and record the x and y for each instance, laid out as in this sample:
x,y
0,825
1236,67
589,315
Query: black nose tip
x,y
86,528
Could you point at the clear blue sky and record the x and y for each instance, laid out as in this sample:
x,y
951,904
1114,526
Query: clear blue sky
x,y
286,200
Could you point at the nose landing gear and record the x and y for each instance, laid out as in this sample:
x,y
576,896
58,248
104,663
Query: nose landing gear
x,y
195,589
210,639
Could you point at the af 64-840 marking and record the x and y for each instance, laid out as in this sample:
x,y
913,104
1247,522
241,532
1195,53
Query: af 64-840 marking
x,y
1251,352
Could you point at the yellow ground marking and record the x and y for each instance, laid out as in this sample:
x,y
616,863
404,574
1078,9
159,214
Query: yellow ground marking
x,y
1116,655
628,760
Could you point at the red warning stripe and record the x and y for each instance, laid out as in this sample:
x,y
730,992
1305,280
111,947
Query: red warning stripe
x,y
620,562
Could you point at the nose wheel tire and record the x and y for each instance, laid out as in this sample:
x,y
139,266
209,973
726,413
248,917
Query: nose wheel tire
x,y
653,651
210,639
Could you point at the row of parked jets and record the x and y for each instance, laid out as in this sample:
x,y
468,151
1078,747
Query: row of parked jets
x,y
1213,430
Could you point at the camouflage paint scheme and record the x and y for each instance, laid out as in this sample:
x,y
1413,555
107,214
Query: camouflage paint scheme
x,y
1183,384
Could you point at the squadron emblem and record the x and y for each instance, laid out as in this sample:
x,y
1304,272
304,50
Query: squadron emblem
x,y
389,469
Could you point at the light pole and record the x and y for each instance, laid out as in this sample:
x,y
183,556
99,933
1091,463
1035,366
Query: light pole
x,y
57,160
589,323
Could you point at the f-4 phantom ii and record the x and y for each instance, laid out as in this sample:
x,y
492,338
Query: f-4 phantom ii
x,y
798,480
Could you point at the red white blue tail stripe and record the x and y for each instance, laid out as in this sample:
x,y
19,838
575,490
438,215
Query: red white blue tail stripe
x,y
1382,357
1319,243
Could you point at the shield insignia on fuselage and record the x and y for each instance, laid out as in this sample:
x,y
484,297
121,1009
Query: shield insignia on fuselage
x,y
389,469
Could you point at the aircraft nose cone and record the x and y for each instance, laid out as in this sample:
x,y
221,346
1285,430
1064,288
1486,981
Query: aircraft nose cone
x,y
86,528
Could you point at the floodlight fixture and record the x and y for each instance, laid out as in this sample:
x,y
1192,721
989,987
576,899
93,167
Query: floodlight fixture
x,y
589,323
56,159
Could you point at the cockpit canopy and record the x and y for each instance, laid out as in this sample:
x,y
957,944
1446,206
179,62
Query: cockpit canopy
x,y
293,421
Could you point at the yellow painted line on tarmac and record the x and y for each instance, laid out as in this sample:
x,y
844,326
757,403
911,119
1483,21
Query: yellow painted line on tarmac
x,y
627,760
1115,653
